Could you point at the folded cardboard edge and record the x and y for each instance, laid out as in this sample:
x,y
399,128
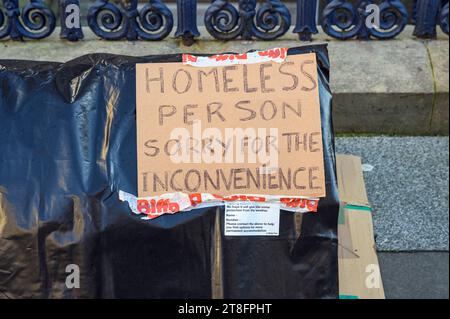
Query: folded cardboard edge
x,y
352,188
359,275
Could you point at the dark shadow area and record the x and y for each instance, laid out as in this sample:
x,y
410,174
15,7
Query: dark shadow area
x,y
419,275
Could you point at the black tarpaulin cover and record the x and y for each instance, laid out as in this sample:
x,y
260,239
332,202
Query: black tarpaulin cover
x,y
68,145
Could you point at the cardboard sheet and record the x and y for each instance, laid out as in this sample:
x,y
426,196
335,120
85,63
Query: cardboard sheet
x,y
359,272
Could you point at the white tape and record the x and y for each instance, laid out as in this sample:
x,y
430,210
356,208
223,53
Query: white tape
x,y
273,55
172,203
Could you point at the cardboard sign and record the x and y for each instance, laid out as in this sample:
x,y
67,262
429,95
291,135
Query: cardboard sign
x,y
232,129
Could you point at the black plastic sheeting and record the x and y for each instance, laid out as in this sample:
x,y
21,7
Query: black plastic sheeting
x,y
68,145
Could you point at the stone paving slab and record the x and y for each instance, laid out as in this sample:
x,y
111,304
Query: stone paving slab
x,y
407,188
383,87
439,52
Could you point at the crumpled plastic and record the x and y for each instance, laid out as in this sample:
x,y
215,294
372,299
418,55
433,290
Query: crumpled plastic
x,y
68,146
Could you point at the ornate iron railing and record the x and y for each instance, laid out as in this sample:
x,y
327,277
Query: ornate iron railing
x,y
224,19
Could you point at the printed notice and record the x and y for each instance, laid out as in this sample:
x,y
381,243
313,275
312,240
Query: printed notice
x,y
252,219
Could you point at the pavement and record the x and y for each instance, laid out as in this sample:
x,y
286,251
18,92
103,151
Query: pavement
x,y
419,275
407,181
408,189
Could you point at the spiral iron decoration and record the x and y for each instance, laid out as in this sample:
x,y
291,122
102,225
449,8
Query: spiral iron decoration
x,y
273,20
222,20
34,21
267,22
443,18
393,19
153,21
343,20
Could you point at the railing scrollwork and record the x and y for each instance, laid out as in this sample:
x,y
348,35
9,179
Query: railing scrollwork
x,y
443,18
153,21
343,20
34,21
224,19
268,21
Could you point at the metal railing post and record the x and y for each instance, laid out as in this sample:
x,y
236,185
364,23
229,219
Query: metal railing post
x,y
187,21
427,12
306,24
443,18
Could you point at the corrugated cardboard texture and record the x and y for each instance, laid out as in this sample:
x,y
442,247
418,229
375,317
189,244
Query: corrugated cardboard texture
x,y
359,275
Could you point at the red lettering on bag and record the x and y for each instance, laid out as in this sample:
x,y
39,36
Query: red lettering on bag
x,y
195,199
189,58
155,208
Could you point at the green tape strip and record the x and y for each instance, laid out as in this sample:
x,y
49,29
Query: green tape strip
x,y
357,207
341,218
348,297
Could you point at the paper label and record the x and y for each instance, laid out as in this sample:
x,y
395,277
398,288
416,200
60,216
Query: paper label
x,y
252,219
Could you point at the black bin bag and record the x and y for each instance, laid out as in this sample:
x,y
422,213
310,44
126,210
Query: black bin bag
x,y
68,145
